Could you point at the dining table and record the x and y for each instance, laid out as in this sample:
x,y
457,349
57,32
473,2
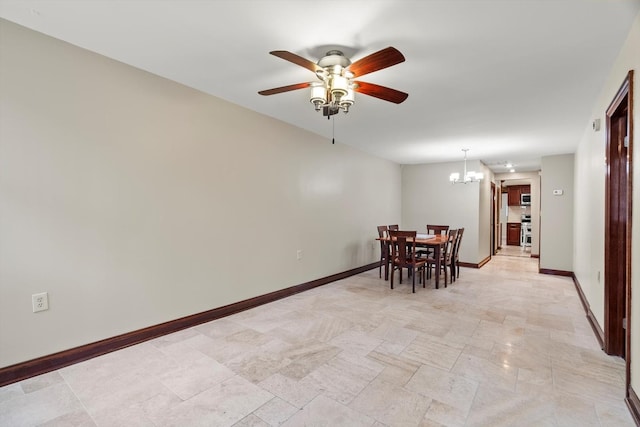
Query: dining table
x,y
433,241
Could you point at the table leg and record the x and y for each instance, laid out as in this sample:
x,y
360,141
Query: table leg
x,y
437,255
386,265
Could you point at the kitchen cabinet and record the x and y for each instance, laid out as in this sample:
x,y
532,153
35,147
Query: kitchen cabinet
x,y
514,192
513,233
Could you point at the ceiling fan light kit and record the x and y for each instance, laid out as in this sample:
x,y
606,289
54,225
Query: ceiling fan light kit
x,y
468,176
336,88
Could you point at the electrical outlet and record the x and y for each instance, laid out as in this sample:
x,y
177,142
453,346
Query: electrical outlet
x,y
40,302
299,254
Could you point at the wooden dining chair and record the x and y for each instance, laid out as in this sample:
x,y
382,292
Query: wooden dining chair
x,y
383,231
455,260
394,227
437,229
432,229
446,256
403,255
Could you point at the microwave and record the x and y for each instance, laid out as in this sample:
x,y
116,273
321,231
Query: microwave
x,y
525,199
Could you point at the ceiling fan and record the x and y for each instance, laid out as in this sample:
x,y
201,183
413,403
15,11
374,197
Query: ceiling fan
x,y
334,90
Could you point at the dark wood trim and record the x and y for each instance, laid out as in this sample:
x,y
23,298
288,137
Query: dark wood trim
x,y
535,255
583,298
618,208
629,237
595,326
52,362
468,265
555,272
484,261
633,403
472,265
597,330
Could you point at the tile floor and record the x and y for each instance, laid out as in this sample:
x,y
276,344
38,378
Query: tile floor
x,y
503,346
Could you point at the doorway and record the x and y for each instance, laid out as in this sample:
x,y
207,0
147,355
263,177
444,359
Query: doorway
x,y
617,251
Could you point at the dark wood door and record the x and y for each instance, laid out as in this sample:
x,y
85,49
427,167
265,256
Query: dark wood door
x,y
617,220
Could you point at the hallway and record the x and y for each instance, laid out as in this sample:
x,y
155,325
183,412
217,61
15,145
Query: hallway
x,y
503,345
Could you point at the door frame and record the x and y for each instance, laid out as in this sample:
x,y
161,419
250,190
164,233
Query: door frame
x,y
612,294
494,220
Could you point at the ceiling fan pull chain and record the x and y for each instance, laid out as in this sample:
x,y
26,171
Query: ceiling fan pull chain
x,y
333,131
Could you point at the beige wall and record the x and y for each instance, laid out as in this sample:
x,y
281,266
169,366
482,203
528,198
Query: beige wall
x,y
556,213
133,200
429,198
589,198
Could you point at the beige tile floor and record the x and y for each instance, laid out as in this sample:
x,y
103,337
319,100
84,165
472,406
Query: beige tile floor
x,y
503,346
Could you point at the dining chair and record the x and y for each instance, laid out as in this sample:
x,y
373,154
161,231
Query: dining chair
x,y
455,261
403,255
383,231
394,227
446,256
437,229
432,229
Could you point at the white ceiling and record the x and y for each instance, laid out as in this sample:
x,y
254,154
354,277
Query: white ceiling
x,y
511,80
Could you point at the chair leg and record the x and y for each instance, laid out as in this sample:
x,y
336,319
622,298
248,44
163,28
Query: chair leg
x,y
392,273
414,282
445,275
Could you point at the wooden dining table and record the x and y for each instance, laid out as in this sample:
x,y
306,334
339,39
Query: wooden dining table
x,y
436,242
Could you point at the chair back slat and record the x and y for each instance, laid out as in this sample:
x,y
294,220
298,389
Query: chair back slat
x,y
456,246
448,248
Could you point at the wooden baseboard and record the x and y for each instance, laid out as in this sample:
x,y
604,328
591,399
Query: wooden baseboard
x,y
597,330
52,362
633,403
472,265
468,265
555,272
535,255
484,261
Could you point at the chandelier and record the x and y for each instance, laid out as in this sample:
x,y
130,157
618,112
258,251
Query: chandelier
x,y
336,89
468,176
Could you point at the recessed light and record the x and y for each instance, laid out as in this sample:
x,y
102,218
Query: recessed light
x,y
512,170
509,165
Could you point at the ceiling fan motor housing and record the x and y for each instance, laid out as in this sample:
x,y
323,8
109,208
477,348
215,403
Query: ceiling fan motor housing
x,y
334,57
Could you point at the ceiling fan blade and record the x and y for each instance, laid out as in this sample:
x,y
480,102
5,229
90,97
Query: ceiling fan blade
x,y
298,60
284,89
376,61
381,92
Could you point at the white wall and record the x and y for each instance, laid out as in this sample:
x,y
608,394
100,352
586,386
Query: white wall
x,y
589,178
556,216
134,200
429,198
